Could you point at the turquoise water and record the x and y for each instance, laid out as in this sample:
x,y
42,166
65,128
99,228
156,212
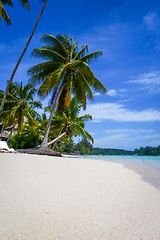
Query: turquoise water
x,y
145,161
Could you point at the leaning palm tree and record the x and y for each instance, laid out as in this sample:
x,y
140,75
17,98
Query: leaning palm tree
x,y
69,124
3,13
19,106
21,56
65,71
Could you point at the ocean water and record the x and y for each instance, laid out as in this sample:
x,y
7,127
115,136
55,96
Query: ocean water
x,y
147,161
147,166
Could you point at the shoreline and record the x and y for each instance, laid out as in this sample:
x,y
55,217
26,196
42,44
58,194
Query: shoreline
x,y
148,174
44,197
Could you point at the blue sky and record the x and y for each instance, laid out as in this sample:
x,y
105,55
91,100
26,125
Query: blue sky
x,y
128,32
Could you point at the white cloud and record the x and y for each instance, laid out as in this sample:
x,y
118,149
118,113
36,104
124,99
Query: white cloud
x,y
125,100
150,80
112,93
96,121
150,20
127,140
130,131
118,112
96,94
93,133
115,93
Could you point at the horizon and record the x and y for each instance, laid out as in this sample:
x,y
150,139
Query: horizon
x,y
128,33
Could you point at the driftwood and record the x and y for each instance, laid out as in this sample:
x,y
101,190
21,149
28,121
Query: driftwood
x,y
40,151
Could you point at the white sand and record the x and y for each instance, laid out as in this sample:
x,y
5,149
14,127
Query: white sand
x,y
53,198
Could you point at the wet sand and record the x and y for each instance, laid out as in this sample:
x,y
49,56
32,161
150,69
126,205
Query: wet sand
x,y
148,174
54,198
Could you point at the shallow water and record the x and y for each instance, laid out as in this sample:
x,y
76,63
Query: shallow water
x,y
147,166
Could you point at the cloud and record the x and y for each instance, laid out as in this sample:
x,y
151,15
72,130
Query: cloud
x,y
112,93
93,133
150,20
133,131
125,100
96,121
118,112
150,80
96,94
127,140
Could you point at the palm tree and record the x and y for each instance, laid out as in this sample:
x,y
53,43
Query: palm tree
x,y
21,56
69,124
3,13
65,71
19,106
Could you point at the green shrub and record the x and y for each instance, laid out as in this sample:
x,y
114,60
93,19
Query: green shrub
x,y
24,139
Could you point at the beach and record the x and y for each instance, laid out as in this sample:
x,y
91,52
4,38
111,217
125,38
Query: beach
x,y
62,198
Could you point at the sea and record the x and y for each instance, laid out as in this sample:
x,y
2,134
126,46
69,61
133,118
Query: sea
x,y
147,166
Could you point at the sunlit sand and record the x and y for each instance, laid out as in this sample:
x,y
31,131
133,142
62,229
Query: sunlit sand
x,y
53,198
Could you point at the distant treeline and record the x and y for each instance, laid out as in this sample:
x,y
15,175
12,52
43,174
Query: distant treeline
x,y
154,151
108,151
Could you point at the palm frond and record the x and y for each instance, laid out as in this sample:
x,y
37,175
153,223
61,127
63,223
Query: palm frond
x,y
30,117
91,57
86,117
79,92
25,4
7,2
54,41
38,72
4,15
64,40
48,54
52,80
85,84
35,104
79,130
73,48
98,86
20,104
10,116
82,52
84,68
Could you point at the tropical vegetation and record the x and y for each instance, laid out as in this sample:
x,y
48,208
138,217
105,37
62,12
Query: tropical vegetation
x,y
65,71
25,3
64,76
24,139
154,151
83,147
3,13
69,123
110,151
19,106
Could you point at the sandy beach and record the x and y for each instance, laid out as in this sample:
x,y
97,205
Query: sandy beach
x,y
55,198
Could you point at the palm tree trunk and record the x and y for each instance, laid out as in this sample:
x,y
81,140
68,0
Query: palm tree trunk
x,y
2,127
55,144
56,139
45,140
20,58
